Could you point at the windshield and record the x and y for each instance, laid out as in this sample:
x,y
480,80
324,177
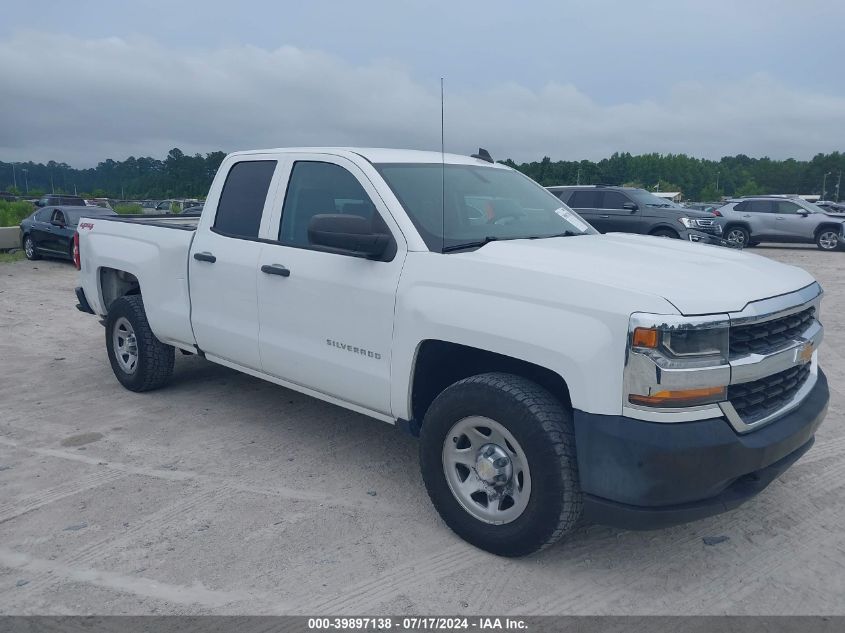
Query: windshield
x,y
646,199
812,208
482,204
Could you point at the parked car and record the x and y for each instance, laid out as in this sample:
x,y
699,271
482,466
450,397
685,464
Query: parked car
x,y
52,199
9,197
835,208
551,373
750,221
49,230
631,210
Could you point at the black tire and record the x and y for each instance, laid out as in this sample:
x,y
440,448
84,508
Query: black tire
x,y
666,233
737,237
29,250
828,239
543,428
154,360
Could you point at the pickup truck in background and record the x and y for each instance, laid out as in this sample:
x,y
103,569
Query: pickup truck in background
x,y
550,372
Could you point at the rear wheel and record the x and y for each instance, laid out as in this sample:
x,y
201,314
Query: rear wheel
x,y
737,237
138,359
827,240
29,249
497,454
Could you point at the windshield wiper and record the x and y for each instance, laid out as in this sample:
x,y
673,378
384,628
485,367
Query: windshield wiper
x,y
476,244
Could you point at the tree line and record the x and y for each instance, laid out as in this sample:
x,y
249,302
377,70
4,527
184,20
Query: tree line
x,y
181,175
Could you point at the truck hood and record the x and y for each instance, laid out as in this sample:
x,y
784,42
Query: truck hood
x,y
695,278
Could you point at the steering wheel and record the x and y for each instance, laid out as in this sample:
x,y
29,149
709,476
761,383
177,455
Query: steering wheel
x,y
507,214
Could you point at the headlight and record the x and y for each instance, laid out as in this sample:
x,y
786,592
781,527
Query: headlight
x,y
676,362
677,343
688,223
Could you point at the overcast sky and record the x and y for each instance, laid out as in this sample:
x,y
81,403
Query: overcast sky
x,y
86,80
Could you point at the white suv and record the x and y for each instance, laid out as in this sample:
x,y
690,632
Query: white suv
x,y
749,221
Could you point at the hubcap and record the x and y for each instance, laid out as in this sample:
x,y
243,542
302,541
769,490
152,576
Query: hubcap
x,y
486,470
737,237
125,345
28,247
828,240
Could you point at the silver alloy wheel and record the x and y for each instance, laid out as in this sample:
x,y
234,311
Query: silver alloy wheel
x,y
829,240
29,247
125,345
486,470
736,236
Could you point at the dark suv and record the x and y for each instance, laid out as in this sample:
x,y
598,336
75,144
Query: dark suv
x,y
630,210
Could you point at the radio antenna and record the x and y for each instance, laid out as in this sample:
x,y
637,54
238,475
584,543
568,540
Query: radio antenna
x,y
442,171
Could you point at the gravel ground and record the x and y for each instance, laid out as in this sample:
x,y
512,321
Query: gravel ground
x,y
225,494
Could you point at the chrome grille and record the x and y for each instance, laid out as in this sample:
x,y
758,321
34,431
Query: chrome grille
x,y
757,399
764,337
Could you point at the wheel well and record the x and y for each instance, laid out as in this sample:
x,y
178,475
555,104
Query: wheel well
x,y
829,226
732,225
663,229
440,364
115,284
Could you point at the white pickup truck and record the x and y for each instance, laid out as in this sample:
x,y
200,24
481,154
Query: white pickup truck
x,y
551,373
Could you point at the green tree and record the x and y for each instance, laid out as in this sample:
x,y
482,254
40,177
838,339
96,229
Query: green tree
x,y
750,188
709,193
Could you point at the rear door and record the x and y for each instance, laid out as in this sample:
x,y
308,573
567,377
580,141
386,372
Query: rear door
x,y
326,318
41,231
223,263
586,202
759,214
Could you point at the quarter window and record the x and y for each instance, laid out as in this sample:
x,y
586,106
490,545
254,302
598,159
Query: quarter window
x,y
317,188
242,199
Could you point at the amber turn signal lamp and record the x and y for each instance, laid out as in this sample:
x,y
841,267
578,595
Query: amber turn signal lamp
x,y
682,398
645,337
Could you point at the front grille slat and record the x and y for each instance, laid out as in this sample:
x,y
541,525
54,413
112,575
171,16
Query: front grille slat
x,y
754,400
760,338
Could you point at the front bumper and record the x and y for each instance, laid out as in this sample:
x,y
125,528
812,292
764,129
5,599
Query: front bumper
x,y
700,237
644,475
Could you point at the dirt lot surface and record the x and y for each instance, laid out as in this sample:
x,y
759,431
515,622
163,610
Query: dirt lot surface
x,y
226,494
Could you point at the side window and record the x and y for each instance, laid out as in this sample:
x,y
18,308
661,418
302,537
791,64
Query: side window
x,y
242,199
759,206
43,215
787,207
584,200
317,188
741,206
613,200
563,195
58,216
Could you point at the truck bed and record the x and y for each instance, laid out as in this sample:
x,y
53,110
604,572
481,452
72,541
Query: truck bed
x,y
168,221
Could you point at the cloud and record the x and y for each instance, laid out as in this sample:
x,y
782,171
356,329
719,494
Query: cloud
x,y
84,100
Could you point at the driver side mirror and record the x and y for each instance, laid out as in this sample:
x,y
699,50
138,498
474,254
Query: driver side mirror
x,y
804,213
39,203
631,206
349,234
57,222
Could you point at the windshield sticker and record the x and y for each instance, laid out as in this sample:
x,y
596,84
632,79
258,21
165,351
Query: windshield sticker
x,y
573,219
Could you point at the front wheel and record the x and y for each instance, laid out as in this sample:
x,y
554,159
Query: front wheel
x,y
827,240
666,233
497,454
29,249
139,360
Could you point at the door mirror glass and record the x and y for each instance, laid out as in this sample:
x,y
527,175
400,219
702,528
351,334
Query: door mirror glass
x,y
631,206
351,234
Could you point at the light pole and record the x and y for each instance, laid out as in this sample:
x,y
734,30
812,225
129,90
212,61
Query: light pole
x,y
824,183
26,179
717,181
14,178
838,182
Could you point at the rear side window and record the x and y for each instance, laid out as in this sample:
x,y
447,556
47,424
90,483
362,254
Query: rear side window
x,y
759,206
242,199
584,200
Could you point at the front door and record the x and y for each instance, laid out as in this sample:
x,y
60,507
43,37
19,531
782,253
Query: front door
x,y
792,223
616,217
326,319
223,266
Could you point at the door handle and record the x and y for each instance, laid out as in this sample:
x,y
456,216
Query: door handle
x,y
205,257
746,216
604,216
779,218
275,269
